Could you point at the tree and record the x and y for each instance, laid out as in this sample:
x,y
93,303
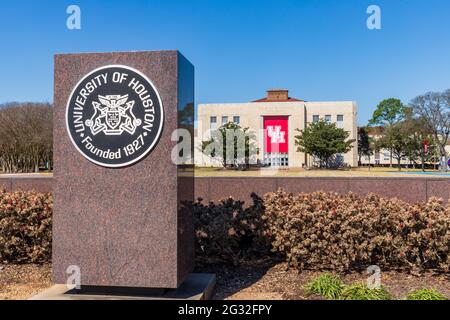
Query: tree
x,y
407,139
414,149
364,145
26,139
397,139
323,140
419,136
388,112
434,109
232,146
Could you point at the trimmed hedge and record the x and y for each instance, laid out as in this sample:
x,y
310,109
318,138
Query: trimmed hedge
x,y
318,231
25,227
328,231
228,232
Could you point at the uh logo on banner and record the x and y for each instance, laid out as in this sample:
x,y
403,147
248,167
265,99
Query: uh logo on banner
x,y
276,134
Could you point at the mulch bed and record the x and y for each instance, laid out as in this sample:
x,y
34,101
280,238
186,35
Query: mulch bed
x,y
266,280
23,281
250,281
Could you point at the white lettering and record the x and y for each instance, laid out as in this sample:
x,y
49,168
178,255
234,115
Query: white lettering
x,y
275,134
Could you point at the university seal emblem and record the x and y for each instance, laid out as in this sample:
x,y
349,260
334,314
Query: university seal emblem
x,y
114,116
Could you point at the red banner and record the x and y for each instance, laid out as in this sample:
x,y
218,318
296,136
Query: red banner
x,y
425,146
276,134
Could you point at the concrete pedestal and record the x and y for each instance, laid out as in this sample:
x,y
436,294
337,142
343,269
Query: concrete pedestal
x,y
197,286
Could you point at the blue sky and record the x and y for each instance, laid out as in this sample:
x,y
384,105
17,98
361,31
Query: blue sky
x,y
318,49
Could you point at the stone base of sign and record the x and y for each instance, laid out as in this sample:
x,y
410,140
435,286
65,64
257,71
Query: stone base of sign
x,y
197,286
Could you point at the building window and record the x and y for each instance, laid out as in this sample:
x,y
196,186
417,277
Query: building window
x,y
316,118
340,121
213,123
386,156
237,119
339,159
276,159
328,118
224,120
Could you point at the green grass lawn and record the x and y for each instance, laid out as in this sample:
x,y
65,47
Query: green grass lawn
x,y
297,172
354,172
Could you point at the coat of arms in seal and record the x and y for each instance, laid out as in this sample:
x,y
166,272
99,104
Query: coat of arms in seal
x,y
114,116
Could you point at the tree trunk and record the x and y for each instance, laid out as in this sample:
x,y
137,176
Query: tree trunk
x,y
422,159
390,158
443,161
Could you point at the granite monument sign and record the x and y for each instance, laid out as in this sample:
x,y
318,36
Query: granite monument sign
x,y
118,217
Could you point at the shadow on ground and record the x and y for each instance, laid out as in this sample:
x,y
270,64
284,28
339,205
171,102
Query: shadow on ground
x,y
267,280
233,281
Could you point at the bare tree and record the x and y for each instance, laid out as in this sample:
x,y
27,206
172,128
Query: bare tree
x,y
434,109
26,139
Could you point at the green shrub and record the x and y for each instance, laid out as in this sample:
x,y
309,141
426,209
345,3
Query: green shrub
x,y
360,291
328,231
426,294
327,285
228,232
25,227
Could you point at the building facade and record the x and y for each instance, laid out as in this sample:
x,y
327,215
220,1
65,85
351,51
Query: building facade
x,y
274,119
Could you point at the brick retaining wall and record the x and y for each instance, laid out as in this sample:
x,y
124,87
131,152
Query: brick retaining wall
x,y
216,188
407,189
26,182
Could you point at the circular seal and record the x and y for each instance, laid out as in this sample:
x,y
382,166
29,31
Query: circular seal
x,y
114,116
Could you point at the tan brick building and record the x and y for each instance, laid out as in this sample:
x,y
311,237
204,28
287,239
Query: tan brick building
x,y
275,118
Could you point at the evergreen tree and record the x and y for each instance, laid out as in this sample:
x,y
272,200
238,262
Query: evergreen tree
x,y
323,140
